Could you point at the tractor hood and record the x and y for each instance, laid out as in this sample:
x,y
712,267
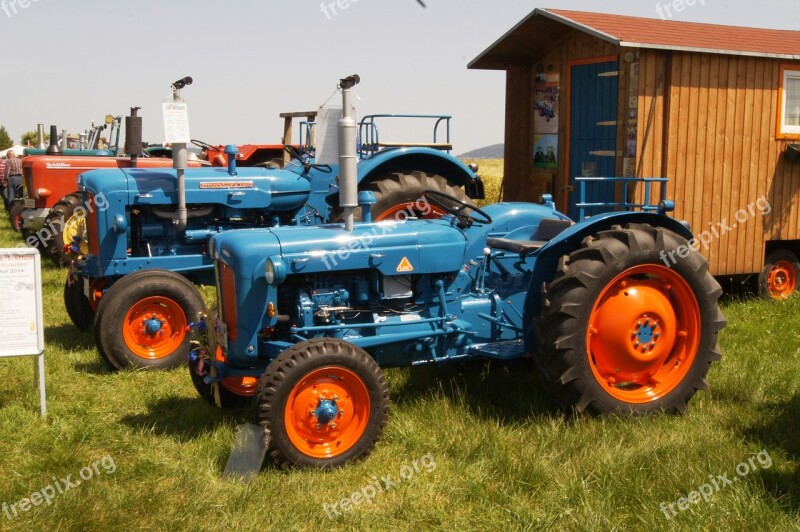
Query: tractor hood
x,y
251,188
393,248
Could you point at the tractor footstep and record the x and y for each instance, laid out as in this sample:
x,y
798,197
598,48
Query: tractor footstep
x,y
247,455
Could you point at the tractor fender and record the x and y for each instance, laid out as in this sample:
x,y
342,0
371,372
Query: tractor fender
x,y
570,239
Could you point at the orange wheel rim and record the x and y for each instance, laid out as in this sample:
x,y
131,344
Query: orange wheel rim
x,y
242,386
643,333
410,209
154,327
782,279
327,412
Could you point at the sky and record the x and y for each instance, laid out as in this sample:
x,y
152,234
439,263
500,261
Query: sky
x,y
68,62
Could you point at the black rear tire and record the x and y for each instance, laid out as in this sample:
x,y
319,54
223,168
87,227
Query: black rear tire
x,y
324,364
397,195
614,291
142,320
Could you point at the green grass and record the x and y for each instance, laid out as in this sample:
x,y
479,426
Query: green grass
x,y
504,459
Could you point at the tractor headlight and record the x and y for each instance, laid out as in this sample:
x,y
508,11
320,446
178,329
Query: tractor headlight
x,y
274,271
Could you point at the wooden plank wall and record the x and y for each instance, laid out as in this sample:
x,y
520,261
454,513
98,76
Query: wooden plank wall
x,y
713,134
521,182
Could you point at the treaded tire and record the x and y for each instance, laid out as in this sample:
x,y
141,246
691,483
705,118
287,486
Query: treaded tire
x,y
77,305
56,220
779,278
168,296
585,281
295,368
399,191
15,216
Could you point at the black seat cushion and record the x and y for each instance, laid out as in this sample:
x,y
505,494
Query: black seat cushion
x,y
548,229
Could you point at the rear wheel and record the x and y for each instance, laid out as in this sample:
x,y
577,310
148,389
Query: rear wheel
x,y
324,403
65,221
622,332
779,278
143,320
398,195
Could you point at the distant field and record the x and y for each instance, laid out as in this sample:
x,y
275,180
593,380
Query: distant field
x,y
491,172
490,451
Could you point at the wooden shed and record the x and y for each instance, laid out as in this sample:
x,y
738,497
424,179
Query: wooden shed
x,y
715,109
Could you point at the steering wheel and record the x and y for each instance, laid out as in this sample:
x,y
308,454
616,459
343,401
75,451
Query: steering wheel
x,y
296,152
203,145
456,207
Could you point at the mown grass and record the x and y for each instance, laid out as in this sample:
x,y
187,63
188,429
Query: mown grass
x,y
504,458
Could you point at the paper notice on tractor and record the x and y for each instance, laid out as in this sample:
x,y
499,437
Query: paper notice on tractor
x,y
176,122
327,135
22,332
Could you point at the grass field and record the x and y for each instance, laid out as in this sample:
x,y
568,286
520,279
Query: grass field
x,y
466,447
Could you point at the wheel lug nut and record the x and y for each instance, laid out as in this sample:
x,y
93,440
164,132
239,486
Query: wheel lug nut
x,y
635,345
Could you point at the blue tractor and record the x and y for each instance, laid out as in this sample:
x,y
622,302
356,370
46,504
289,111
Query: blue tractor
x,y
148,231
307,316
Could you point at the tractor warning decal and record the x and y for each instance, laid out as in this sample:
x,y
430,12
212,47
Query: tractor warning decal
x,y
226,184
405,266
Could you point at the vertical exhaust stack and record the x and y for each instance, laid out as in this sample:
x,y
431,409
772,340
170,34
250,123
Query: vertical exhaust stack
x,y
348,158
53,149
40,143
180,156
133,135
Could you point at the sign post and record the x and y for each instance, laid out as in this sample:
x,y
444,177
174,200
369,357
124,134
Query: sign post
x,y
22,333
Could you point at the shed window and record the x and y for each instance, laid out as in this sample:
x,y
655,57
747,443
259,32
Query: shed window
x,y
789,125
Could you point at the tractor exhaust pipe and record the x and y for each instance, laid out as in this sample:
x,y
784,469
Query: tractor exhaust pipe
x,y
180,157
40,143
348,158
53,149
133,135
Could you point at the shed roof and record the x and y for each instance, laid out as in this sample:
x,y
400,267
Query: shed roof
x,y
539,30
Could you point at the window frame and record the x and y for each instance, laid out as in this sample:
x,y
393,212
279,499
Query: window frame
x,y
784,131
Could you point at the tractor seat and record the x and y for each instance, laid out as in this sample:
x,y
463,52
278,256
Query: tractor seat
x,y
548,229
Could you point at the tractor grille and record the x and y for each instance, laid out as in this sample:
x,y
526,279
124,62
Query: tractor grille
x,y
226,291
92,233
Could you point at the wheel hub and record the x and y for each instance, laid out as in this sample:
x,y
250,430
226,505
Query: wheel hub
x,y
153,325
326,411
781,281
633,331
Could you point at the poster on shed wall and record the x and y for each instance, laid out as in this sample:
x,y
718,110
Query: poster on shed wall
x,y
545,151
545,103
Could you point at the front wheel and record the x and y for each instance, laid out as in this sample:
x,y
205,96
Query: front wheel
x,y
622,331
230,392
15,216
324,403
143,320
778,279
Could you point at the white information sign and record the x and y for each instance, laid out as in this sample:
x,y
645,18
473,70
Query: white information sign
x,y
176,122
326,135
22,333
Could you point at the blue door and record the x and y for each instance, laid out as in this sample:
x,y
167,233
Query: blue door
x,y
594,91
